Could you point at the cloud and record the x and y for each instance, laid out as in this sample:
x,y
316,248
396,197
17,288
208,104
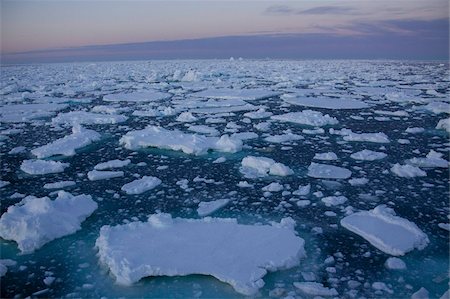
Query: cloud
x,y
319,10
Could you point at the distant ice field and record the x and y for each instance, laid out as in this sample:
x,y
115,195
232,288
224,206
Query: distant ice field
x,y
225,178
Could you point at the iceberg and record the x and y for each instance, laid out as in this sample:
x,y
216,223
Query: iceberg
x,y
36,221
386,231
240,255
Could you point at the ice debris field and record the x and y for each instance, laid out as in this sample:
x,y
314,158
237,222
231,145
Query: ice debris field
x,y
225,179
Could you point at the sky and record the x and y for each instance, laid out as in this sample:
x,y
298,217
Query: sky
x,y
57,31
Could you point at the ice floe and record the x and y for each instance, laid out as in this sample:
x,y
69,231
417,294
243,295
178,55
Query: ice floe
x,y
112,164
368,155
315,289
87,118
432,160
237,254
140,96
241,94
386,231
59,185
407,171
141,185
38,167
325,171
42,220
257,167
154,136
329,156
307,117
66,146
95,175
323,102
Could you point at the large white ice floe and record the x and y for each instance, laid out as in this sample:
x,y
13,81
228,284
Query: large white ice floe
x,y
36,167
257,167
141,185
140,96
386,231
36,221
240,94
325,171
433,159
233,253
206,208
368,155
154,136
407,171
87,118
67,145
307,117
324,102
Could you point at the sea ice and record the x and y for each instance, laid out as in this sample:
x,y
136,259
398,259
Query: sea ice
x,y
315,289
233,253
240,94
112,164
15,113
386,231
206,208
256,167
407,171
368,155
283,138
329,156
330,201
307,117
154,136
59,185
323,102
140,96
325,171
36,221
444,124
66,146
87,118
36,167
95,175
141,185
394,263
432,160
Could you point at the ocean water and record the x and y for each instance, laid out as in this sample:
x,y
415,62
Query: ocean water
x,y
411,89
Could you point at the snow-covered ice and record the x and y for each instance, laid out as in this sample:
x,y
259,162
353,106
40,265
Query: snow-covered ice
x,y
386,231
42,220
240,255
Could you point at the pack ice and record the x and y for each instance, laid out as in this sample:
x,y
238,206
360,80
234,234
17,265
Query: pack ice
x,y
386,231
240,255
35,221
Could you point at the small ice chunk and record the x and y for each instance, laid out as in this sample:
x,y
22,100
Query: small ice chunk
x,y
394,263
422,293
240,255
389,233
36,221
358,181
17,150
141,185
414,130
87,118
4,183
315,289
324,171
329,156
368,155
112,164
381,286
283,138
206,208
96,175
260,113
38,167
444,124
407,171
186,117
219,160
302,190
